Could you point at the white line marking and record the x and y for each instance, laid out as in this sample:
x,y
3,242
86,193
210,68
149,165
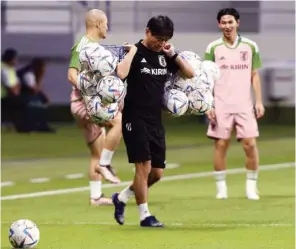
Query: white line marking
x,y
6,184
74,176
174,224
172,165
167,178
39,180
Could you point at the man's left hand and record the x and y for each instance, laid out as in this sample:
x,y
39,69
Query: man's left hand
x,y
259,110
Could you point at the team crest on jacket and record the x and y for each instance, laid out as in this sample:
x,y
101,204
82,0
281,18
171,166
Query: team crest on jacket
x,y
244,55
162,60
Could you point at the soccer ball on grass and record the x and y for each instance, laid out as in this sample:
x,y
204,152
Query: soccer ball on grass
x,y
24,234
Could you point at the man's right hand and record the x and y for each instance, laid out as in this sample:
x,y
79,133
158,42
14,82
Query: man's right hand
x,y
211,115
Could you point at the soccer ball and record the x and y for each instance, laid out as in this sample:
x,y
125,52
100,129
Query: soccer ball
x,y
176,102
200,101
88,54
193,60
210,68
183,84
86,83
111,89
168,84
99,112
24,234
205,81
100,60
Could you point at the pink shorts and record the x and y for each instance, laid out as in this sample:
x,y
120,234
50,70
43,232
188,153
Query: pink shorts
x,y
91,131
245,124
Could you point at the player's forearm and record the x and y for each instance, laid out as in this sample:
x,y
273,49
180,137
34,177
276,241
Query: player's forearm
x,y
186,70
124,66
256,83
72,76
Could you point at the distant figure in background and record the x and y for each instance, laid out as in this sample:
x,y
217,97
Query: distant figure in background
x,y
12,103
31,77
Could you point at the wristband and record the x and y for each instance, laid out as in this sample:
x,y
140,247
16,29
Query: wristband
x,y
174,56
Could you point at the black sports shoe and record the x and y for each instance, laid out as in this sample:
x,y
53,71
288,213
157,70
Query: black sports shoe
x,y
119,209
151,221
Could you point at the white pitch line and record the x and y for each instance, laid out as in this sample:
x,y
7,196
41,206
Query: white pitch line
x,y
167,178
74,176
39,180
172,165
173,224
6,184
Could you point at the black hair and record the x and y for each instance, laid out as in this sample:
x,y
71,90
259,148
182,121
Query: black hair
x,y
161,26
9,55
228,11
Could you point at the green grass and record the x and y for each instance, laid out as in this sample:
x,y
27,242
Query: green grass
x,y
69,142
195,159
193,218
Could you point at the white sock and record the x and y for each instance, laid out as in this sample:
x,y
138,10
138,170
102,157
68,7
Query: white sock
x,y
251,182
125,194
144,211
220,180
95,189
252,175
106,157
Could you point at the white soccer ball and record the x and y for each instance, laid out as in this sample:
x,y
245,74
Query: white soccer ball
x,y
99,112
87,84
176,102
200,101
168,84
24,234
111,89
89,53
193,60
100,60
183,84
210,68
205,81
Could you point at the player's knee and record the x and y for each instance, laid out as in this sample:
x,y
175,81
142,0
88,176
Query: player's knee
x,y
221,144
156,174
249,145
143,169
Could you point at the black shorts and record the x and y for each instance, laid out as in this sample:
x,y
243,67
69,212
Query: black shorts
x,y
144,142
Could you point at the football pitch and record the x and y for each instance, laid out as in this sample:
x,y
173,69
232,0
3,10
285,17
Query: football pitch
x,y
46,181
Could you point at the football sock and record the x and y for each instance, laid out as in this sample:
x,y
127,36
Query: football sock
x,y
220,180
144,211
95,189
251,182
125,195
106,157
